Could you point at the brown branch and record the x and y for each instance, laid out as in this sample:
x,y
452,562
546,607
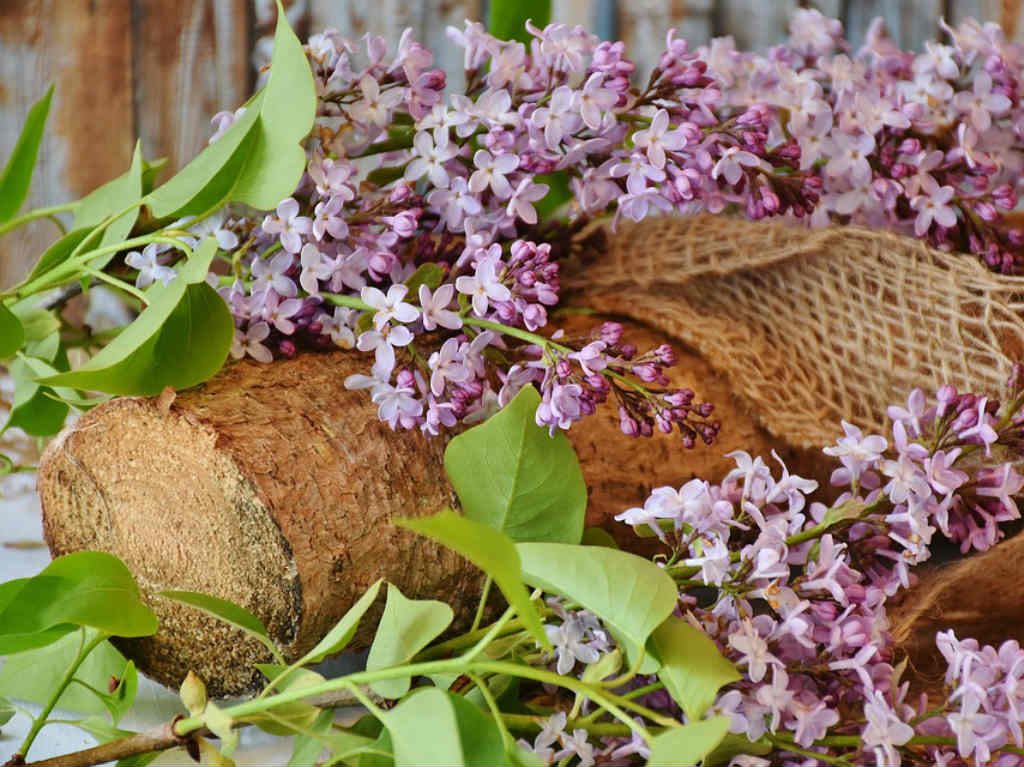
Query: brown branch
x,y
160,739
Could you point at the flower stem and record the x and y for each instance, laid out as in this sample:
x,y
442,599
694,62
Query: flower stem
x,y
84,649
33,215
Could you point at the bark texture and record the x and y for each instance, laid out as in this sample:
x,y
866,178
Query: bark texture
x,y
274,487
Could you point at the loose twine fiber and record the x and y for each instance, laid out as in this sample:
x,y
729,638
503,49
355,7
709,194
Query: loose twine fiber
x,y
811,326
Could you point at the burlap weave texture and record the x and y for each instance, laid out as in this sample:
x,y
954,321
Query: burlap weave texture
x,y
811,326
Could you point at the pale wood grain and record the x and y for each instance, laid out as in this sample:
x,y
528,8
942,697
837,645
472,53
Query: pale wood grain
x,y
84,46
754,24
191,61
910,22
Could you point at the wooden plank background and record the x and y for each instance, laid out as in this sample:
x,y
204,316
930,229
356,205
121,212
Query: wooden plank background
x,y
158,71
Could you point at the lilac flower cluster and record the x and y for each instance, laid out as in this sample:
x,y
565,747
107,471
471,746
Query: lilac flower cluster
x,y
800,587
926,144
430,229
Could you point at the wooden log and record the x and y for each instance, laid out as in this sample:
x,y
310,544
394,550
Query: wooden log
x,y
274,487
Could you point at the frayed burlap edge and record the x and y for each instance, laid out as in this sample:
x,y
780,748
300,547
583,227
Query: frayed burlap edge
x,y
812,326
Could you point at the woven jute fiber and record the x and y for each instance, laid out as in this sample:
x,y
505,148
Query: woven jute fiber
x,y
811,326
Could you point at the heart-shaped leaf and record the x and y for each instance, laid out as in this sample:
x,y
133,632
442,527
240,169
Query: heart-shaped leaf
x,y
632,595
692,668
688,744
407,626
181,339
86,588
33,677
337,638
425,731
512,476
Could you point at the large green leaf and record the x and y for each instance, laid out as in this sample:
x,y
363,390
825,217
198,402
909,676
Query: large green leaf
x,y
110,199
17,175
33,676
228,612
632,595
481,740
425,731
506,19
260,159
86,588
407,626
692,668
181,339
510,475
687,745
491,551
337,638
12,334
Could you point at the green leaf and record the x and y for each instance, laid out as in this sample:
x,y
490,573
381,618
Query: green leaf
x,y
228,612
598,536
181,339
39,323
86,588
37,409
407,626
632,595
110,199
288,718
260,159
33,676
222,725
307,748
688,744
692,668
337,638
12,334
510,475
429,274
558,194
17,175
479,736
425,731
491,551
58,252
7,711
506,19
734,745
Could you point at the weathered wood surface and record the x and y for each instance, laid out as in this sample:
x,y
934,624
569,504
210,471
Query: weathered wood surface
x,y
158,71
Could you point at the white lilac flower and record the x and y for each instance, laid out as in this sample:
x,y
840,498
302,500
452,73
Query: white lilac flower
x,y
658,138
431,152
149,268
484,286
250,342
491,172
389,306
569,639
288,225
434,309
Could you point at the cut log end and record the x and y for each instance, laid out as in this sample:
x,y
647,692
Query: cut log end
x,y
278,498
151,486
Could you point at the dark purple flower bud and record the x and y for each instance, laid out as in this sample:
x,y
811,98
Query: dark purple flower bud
x,y
287,348
909,146
647,372
563,369
667,355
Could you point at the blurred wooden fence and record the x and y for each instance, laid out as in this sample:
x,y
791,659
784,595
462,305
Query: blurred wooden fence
x,y
158,70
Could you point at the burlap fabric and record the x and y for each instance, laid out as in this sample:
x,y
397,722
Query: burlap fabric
x,y
811,326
